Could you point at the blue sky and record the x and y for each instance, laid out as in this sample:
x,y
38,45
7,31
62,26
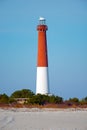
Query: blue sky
x,y
67,45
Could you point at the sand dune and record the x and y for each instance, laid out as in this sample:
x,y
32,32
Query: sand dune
x,y
42,119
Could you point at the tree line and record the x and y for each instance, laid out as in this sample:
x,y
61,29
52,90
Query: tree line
x,y
30,98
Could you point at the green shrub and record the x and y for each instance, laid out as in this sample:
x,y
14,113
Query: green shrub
x,y
4,98
24,93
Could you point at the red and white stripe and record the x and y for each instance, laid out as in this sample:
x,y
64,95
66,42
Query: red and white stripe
x,y
42,81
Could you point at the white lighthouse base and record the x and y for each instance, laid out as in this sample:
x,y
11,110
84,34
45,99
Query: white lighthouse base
x,y
42,81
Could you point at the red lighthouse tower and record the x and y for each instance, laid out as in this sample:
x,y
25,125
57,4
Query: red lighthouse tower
x,y
42,83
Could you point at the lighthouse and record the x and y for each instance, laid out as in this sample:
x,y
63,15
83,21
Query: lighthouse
x,y
42,79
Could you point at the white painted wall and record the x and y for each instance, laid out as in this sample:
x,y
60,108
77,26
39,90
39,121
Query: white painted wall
x,y
42,80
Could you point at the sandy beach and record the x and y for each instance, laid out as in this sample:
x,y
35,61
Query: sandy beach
x,y
43,119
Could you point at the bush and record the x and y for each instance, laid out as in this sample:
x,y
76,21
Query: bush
x,y
73,101
4,98
83,101
56,99
24,93
37,99
44,99
12,100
